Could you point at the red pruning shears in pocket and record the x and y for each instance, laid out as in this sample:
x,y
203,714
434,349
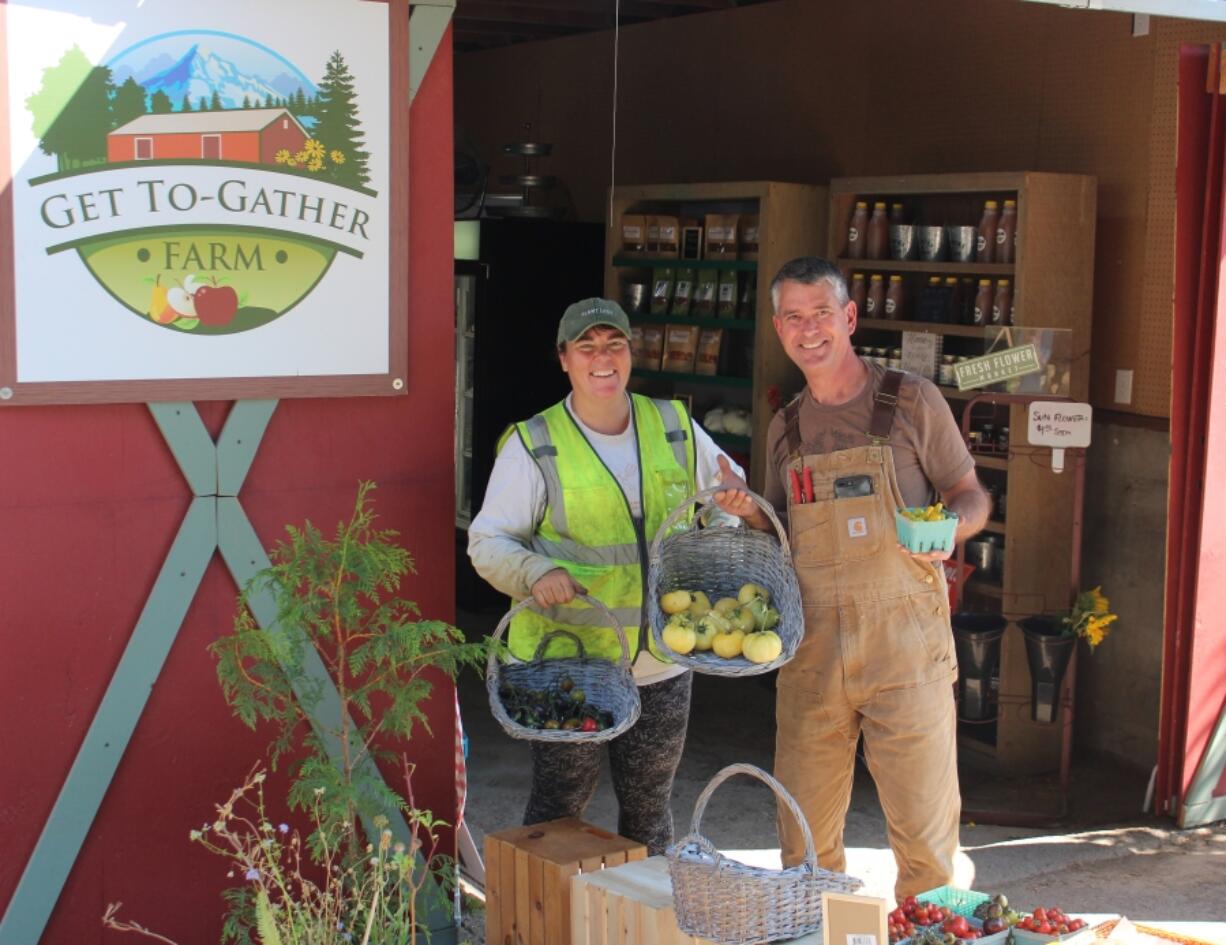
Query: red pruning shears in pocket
x,y
802,486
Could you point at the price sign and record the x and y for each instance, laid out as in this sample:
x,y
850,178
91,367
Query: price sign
x,y
920,350
1061,426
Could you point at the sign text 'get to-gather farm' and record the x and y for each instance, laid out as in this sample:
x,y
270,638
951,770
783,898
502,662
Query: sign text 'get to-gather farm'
x,y
78,207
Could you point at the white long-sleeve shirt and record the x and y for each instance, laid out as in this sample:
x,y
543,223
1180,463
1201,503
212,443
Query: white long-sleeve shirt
x,y
499,536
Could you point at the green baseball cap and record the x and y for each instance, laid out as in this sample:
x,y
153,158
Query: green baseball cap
x,y
589,313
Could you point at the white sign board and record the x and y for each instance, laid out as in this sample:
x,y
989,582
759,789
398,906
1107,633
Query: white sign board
x,y
1061,426
919,353
201,200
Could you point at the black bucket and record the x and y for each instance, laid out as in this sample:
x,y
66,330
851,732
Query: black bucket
x,y
1047,651
977,643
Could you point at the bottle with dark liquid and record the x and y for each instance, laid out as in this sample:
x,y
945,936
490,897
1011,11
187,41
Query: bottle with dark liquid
x,y
874,306
1006,230
878,245
983,303
986,241
857,232
894,299
859,292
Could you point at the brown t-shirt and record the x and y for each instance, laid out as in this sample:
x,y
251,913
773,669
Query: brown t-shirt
x,y
929,452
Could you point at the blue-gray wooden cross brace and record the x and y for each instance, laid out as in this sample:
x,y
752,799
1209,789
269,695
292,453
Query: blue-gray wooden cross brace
x,y
214,521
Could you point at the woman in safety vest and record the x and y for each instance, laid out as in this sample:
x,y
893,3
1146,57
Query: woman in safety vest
x,y
575,497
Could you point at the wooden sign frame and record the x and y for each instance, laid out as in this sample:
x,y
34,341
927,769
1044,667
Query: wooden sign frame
x,y
110,387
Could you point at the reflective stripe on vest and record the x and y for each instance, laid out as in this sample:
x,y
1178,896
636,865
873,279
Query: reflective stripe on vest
x,y
587,528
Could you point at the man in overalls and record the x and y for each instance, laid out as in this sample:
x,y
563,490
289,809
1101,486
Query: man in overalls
x,y
877,658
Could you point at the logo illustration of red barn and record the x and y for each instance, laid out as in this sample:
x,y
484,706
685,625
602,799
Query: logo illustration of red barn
x,y
252,135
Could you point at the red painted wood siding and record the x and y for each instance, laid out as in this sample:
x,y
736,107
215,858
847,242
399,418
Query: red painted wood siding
x,y
90,501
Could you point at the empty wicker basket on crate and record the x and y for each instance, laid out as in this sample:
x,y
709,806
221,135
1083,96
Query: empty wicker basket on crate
x,y
719,561
735,904
606,685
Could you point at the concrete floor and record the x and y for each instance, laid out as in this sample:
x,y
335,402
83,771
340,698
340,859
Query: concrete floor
x,y
1105,857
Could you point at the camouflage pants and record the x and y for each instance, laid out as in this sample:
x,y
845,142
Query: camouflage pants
x,y
643,762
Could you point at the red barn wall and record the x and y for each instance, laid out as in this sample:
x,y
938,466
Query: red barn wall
x,y
90,501
274,138
235,146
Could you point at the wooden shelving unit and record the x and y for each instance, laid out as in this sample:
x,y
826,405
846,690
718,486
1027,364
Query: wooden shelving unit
x,y
792,222
1052,276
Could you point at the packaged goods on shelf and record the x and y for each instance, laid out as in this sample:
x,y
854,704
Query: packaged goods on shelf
x,y
683,292
709,343
661,291
725,302
634,234
680,348
722,230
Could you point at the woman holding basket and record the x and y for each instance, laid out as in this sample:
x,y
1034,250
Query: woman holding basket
x,y
575,497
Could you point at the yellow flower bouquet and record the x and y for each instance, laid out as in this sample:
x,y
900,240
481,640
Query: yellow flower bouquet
x,y
1091,617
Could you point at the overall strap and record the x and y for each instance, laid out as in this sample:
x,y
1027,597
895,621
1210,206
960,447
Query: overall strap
x,y
791,428
884,405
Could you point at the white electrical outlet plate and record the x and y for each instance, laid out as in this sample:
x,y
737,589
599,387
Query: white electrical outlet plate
x,y
1123,386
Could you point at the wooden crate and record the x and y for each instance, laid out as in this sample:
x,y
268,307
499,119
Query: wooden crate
x,y
633,905
528,872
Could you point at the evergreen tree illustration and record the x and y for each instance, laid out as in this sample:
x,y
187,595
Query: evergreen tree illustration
x,y
268,101
160,103
246,101
338,126
215,102
186,105
202,105
129,102
72,110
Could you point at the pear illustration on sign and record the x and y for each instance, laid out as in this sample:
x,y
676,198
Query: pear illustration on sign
x,y
203,179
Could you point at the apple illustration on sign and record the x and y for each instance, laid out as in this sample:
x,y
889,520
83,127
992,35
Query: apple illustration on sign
x,y
215,304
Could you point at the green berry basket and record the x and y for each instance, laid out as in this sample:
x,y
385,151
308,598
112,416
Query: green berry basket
x,y
926,536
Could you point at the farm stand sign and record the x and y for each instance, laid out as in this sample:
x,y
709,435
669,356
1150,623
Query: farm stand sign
x,y
202,200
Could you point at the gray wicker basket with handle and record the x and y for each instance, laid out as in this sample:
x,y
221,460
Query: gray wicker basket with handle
x,y
606,684
735,904
718,561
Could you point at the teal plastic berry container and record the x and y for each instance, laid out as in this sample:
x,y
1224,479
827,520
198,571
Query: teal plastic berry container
x,y
926,536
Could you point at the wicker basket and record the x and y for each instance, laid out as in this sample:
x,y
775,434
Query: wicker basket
x,y
735,904
607,684
718,561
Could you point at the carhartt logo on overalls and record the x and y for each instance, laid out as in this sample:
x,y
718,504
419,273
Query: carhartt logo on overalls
x,y
857,527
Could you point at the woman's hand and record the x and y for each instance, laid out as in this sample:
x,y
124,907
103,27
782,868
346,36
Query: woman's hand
x,y
734,498
556,587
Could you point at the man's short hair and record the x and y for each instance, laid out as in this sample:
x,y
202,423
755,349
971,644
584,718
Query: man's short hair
x,y
809,270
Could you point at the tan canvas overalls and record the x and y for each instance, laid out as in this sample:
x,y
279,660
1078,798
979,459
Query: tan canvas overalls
x,y
877,658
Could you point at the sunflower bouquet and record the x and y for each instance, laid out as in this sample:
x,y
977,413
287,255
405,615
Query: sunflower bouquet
x,y
1091,617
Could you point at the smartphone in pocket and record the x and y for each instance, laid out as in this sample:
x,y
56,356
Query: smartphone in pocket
x,y
849,487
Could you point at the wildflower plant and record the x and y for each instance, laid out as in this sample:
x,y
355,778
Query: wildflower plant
x,y
1091,617
337,618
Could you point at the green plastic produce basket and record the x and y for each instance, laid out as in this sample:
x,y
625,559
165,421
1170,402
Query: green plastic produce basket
x,y
958,901
926,536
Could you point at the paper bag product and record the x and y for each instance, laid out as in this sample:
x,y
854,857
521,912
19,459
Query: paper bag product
x,y
749,236
652,351
634,234
722,231
636,346
661,290
725,298
683,292
653,234
706,361
680,347
668,237
704,293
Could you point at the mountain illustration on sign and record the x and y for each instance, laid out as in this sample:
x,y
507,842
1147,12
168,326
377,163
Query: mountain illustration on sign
x,y
207,97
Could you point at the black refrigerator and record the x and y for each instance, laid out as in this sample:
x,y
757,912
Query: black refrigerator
x,y
508,303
